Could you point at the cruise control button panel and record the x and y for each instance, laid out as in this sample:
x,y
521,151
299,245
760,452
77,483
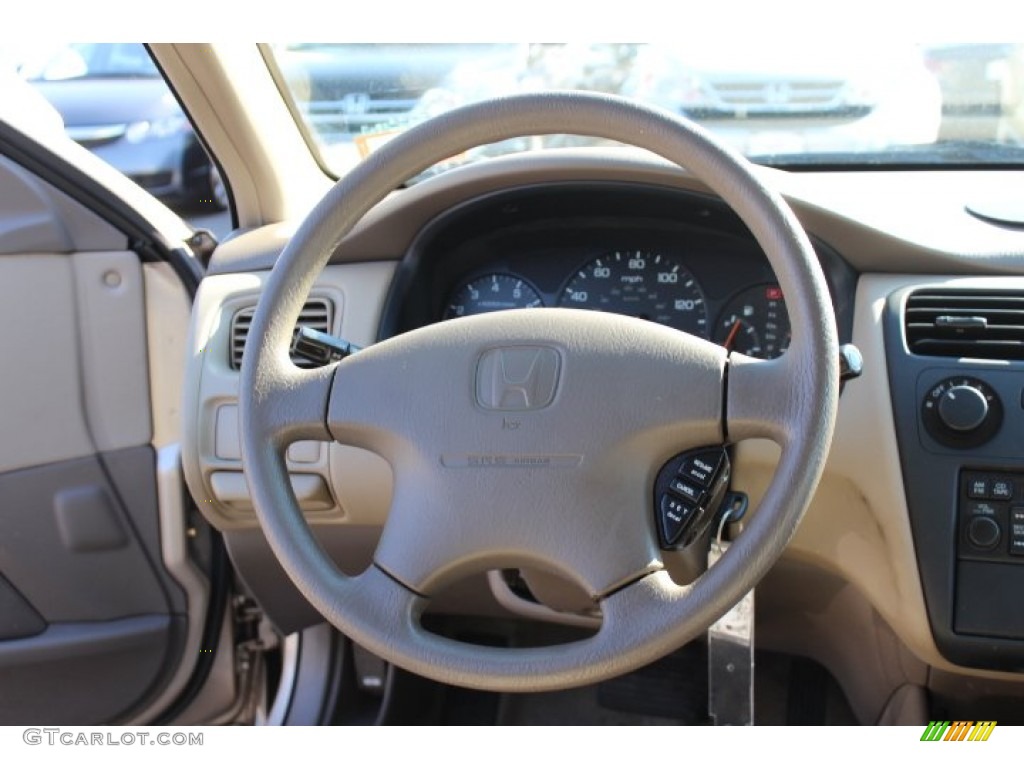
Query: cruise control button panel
x,y
687,494
991,516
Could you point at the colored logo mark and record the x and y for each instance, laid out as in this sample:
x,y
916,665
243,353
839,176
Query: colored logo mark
x,y
958,730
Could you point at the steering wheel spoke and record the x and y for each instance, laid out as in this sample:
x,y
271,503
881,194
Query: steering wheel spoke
x,y
761,400
589,524
376,597
289,404
776,399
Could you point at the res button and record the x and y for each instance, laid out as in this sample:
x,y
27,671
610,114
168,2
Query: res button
x,y
701,468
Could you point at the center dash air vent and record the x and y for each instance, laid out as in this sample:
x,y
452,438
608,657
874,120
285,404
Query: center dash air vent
x,y
952,322
316,314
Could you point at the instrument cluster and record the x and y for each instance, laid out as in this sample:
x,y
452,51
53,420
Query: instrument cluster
x,y
643,283
679,259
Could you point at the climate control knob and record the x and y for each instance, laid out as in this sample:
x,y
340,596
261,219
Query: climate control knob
x,y
963,408
962,412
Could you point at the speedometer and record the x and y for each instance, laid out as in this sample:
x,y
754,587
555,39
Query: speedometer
x,y
643,284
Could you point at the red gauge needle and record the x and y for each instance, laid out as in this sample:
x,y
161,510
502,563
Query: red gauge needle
x,y
732,335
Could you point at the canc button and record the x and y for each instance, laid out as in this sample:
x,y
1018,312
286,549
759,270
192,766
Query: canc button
x,y
689,491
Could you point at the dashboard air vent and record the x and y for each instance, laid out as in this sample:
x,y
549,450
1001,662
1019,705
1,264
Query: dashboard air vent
x,y
951,322
316,313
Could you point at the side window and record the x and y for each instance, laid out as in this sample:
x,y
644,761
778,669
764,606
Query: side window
x,y
115,103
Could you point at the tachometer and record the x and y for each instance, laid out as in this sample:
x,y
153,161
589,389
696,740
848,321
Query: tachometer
x,y
755,323
491,293
643,284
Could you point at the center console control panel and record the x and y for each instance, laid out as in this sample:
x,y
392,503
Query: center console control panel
x,y
992,517
958,409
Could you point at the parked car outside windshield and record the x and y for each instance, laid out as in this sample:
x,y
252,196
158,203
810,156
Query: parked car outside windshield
x,y
824,102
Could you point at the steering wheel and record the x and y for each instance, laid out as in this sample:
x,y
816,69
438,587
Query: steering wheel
x,y
602,402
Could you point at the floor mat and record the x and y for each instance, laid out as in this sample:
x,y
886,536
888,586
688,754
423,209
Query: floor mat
x,y
674,687
578,706
788,690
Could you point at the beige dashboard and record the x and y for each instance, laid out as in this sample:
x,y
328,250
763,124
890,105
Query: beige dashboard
x,y
849,591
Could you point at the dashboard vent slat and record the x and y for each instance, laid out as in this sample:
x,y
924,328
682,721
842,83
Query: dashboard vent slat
x,y
948,322
316,314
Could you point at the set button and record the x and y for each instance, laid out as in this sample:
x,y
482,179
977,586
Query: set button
x,y
675,514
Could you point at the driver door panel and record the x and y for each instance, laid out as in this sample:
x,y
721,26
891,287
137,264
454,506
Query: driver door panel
x,y
91,622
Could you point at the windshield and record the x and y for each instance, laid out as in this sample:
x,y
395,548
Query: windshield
x,y
824,104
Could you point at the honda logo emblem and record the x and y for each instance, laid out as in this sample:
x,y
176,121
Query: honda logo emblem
x,y
355,103
777,93
517,378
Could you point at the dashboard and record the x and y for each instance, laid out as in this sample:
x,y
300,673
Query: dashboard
x,y
905,566
673,258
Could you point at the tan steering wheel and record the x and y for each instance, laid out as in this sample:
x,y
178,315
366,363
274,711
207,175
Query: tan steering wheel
x,y
624,396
